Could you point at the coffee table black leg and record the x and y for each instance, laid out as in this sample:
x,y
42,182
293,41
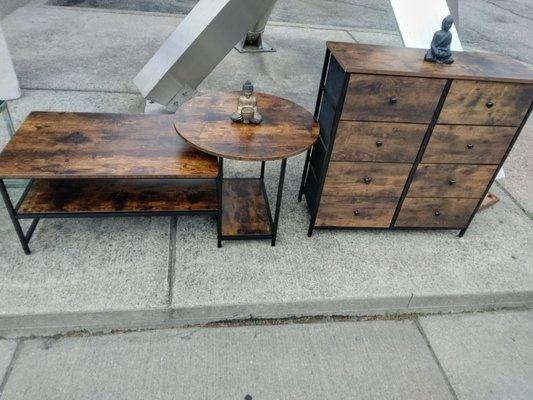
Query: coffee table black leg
x,y
278,200
262,170
12,214
219,197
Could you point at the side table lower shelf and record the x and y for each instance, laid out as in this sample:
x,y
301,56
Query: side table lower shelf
x,y
63,198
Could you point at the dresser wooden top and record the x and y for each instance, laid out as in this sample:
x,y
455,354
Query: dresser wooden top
x,y
58,145
386,60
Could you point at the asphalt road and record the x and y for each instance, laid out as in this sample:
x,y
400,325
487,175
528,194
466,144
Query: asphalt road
x,y
503,26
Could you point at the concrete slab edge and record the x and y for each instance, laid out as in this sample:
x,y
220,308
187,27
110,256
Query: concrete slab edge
x,y
12,326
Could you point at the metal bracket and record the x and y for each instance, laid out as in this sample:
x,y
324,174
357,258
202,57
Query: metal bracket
x,y
254,43
7,118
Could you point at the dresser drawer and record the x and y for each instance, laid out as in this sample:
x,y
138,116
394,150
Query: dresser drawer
x,y
468,144
391,98
451,180
486,103
435,213
377,141
356,212
365,179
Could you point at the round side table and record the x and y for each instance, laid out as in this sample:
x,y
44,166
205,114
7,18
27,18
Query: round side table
x,y
287,129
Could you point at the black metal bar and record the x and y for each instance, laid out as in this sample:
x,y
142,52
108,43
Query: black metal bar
x,y
317,109
219,197
267,204
24,194
304,173
12,214
329,149
262,170
519,130
278,200
422,149
30,231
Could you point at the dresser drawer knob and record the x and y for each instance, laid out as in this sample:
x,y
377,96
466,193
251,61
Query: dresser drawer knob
x,y
451,181
469,146
393,100
356,212
379,143
367,179
489,104
437,213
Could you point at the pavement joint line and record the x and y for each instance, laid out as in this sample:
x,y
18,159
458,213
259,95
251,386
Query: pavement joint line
x,y
79,90
416,321
410,299
11,365
352,36
513,199
172,258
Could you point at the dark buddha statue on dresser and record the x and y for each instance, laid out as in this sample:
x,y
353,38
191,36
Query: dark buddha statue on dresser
x,y
440,45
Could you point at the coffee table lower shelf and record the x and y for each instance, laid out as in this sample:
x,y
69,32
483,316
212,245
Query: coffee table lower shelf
x,y
64,198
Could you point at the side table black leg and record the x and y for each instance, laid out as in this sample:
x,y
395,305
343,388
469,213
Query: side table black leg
x,y
304,174
262,171
462,232
278,200
14,220
220,178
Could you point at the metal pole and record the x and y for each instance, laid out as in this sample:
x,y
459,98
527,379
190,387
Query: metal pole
x,y
7,118
253,41
278,200
13,216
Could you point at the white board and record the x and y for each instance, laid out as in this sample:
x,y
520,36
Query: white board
x,y
418,20
9,84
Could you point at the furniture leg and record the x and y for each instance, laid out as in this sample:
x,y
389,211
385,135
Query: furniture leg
x,y
278,200
262,170
219,198
7,117
13,215
304,174
462,233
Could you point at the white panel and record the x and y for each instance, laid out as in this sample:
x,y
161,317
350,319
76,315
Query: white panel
x,y
9,84
418,20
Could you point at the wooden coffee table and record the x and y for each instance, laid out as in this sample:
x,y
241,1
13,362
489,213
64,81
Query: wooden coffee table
x,y
287,130
93,165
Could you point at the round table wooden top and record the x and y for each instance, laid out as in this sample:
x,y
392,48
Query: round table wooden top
x,y
287,129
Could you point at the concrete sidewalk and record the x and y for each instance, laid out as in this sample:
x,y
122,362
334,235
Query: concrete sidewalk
x,y
470,356
124,273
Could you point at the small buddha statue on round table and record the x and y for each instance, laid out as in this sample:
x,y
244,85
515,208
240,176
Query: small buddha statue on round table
x,y
440,45
247,107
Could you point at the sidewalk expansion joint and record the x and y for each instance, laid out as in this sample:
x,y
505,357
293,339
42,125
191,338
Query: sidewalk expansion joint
x,y
80,90
172,243
436,359
11,365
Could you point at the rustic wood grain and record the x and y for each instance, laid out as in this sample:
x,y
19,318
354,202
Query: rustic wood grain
x,y
85,145
468,144
356,212
386,60
244,209
371,98
348,179
287,128
377,141
433,180
466,103
119,195
435,213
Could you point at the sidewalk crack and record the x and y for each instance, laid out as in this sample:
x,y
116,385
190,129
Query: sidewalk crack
x,y
436,359
10,367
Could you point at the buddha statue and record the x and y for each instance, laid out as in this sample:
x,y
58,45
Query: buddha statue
x,y
440,45
247,107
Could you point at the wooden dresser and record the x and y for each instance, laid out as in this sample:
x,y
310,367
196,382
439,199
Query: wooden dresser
x,y
409,144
